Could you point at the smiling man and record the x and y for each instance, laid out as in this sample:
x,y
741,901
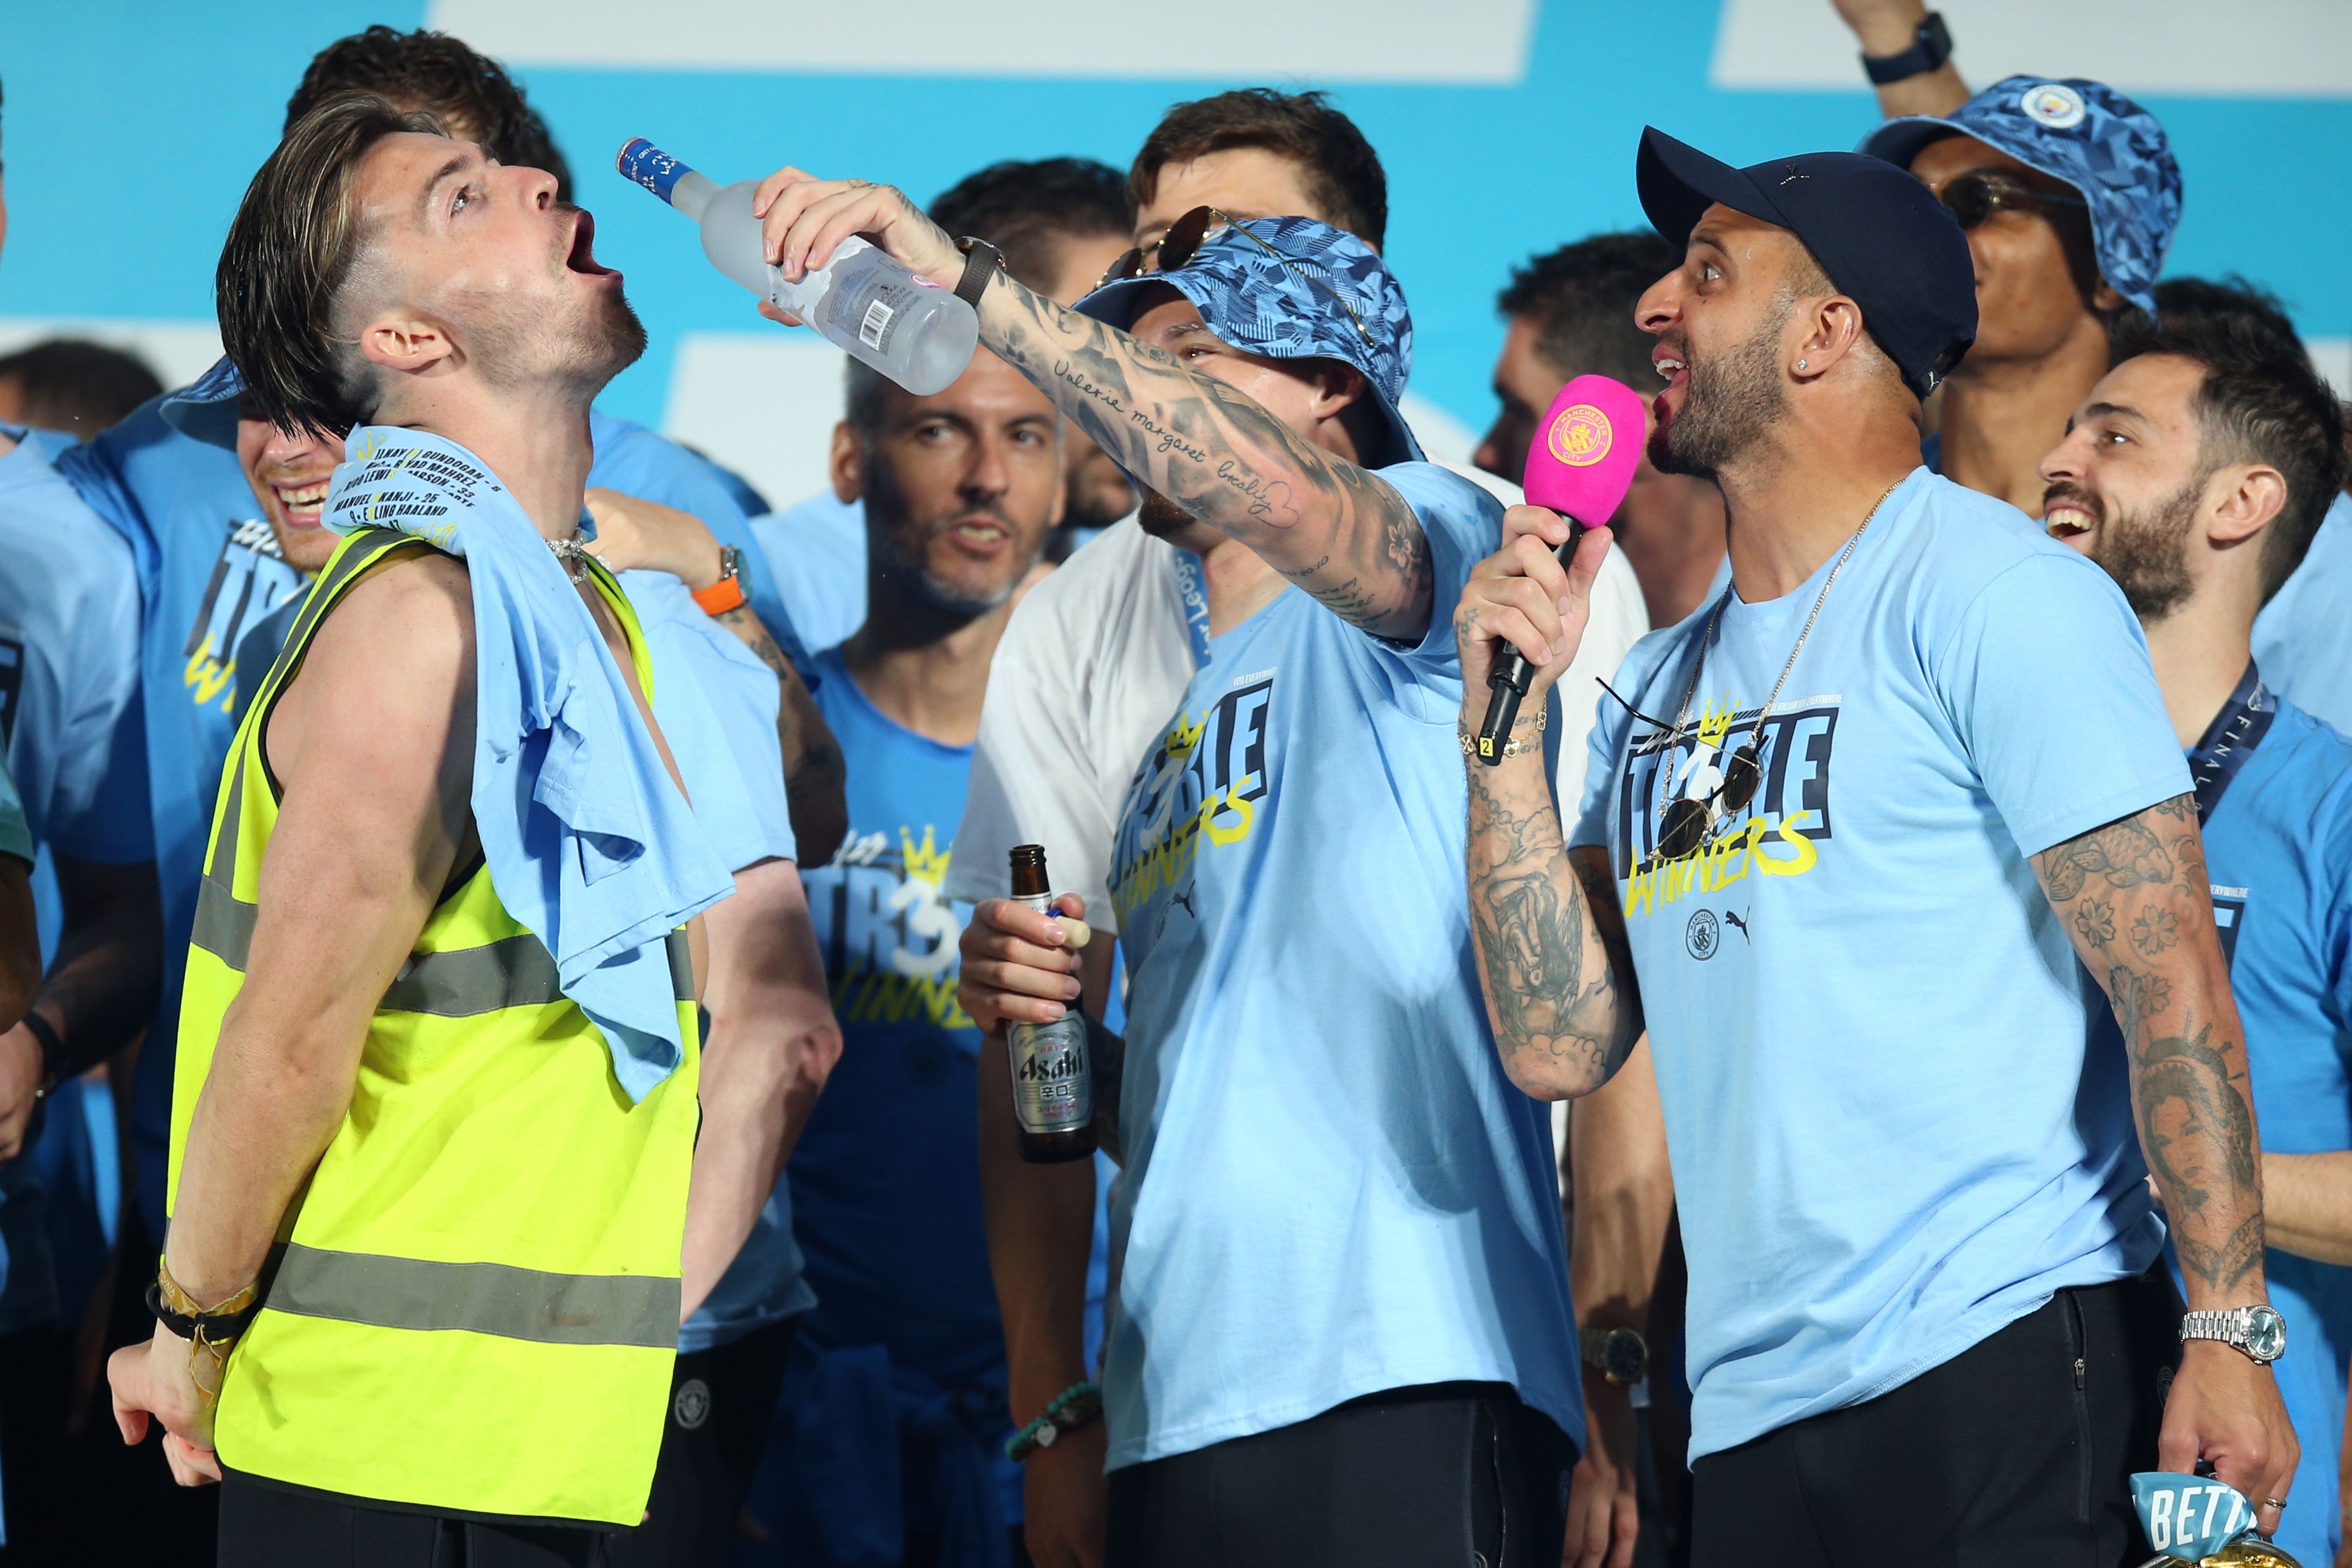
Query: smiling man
x,y
2196,473
448,913
1926,1320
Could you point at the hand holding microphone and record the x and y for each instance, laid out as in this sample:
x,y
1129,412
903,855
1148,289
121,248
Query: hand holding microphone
x,y
1579,465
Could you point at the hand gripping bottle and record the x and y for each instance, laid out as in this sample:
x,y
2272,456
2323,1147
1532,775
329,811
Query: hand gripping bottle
x,y
862,302
1053,1078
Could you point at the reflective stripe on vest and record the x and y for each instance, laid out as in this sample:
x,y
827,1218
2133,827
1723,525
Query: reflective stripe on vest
x,y
480,1297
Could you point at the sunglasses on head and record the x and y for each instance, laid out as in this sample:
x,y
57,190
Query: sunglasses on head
x,y
1973,198
1182,242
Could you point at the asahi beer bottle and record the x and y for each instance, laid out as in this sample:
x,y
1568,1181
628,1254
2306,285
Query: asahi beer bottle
x,y
1053,1081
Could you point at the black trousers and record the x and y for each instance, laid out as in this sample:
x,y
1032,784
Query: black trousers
x,y
1448,1476
264,1525
721,1403
2019,1450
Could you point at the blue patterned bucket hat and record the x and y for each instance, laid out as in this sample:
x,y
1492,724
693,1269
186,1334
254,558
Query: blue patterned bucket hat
x,y
207,409
2089,135
1293,288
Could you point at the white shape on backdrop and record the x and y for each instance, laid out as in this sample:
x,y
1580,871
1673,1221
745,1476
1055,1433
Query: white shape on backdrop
x,y
1319,40
2249,48
765,403
178,352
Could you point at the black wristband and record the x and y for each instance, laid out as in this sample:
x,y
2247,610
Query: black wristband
x,y
219,1327
53,1052
1931,45
981,261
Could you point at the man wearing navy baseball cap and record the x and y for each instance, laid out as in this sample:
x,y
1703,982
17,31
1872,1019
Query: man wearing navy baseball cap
x,y
2070,195
1928,1321
1341,1332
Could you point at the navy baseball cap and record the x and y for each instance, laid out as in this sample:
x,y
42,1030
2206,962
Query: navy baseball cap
x,y
1888,243
1294,288
2086,133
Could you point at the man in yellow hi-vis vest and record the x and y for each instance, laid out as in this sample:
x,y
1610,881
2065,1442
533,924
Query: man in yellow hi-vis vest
x,y
434,1108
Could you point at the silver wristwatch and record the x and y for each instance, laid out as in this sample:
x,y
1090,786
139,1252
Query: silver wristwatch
x,y
2257,1331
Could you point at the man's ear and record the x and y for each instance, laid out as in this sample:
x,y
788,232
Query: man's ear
x,y
1832,328
2241,501
846,465
409,344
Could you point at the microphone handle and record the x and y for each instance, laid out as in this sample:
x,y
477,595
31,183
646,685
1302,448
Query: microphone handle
x,y
1510,678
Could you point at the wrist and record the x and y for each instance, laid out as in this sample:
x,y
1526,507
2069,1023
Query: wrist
x,y
703,565
1888,29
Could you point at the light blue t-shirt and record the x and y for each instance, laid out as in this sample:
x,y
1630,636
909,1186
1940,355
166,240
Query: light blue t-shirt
x,y
1889,1136
1331,1189
816,552
2303,639
218,598
2278,850
69,721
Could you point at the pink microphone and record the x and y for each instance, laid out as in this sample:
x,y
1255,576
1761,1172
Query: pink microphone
x,y
1581,464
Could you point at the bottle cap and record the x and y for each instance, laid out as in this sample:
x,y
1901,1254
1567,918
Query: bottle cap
x,y
648,165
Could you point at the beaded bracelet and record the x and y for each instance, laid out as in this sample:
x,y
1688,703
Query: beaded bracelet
x,y
1072,1408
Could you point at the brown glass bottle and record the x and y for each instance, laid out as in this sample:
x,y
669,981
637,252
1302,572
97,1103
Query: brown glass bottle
x,y
1053,1079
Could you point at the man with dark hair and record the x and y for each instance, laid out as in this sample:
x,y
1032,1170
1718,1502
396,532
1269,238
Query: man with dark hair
x,y
1059,222
1258,151
469,93
2196,473
81,388
225,516
1570,313
450,910
1925,1314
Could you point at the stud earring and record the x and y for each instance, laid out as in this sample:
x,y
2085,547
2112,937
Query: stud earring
x,y
1801,365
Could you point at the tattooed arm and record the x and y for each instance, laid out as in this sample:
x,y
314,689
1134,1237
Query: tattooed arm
x,y
1545,920
1167,417
2134,898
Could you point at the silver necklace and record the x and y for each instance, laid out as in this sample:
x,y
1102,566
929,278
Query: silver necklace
x,y
1749,757
571,554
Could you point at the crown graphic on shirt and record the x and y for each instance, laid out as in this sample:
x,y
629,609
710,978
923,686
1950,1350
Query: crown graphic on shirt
x,y
1714,724
924,862
1183,735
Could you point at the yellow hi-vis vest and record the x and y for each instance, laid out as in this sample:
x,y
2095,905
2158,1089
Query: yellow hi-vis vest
x,y
475,1309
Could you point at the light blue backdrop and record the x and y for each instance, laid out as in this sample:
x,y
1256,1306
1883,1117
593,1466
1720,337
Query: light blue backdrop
x,y
131,127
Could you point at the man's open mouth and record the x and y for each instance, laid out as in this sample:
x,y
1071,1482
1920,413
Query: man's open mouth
x,y
2065,517
300,503
583,257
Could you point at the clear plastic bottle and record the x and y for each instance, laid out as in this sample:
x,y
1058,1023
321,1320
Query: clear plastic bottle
x,y
919,335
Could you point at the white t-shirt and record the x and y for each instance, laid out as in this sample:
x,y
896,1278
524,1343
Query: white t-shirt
x,y
1094,662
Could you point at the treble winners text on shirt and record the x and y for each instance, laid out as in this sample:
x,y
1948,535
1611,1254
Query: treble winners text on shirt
x,y
1778,833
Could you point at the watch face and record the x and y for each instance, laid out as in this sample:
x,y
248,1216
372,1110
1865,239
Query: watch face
x,y
1623,1357
2266,1333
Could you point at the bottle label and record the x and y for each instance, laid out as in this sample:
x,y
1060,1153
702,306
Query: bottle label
x,y
873,303
649,166
1053,1080
873,331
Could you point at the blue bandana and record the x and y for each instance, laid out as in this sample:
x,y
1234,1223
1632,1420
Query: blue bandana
x,y
1289,306
2089,135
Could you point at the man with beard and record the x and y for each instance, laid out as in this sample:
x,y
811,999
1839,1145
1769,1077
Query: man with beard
x,y
2196,473
449,913
958,492
222,510
1927,1317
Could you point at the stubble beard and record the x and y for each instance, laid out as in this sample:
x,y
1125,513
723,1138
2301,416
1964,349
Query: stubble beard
x,y
2146,552
1729,406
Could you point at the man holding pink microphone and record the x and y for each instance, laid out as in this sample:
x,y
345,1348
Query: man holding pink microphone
x,y
1847,831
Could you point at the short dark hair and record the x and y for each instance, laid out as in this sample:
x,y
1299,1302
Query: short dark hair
x,y
1581,299
441,76
81,387
1028,209
2262,401
1343,173
289,254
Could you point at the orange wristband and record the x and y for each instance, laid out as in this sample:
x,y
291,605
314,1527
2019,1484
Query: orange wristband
x,y
721,597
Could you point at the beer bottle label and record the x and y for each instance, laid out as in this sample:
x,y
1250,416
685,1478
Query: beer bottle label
x,y
1053,1080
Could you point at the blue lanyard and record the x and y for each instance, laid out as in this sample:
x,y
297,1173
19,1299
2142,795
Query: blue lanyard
x,y
2229,740
1193,590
